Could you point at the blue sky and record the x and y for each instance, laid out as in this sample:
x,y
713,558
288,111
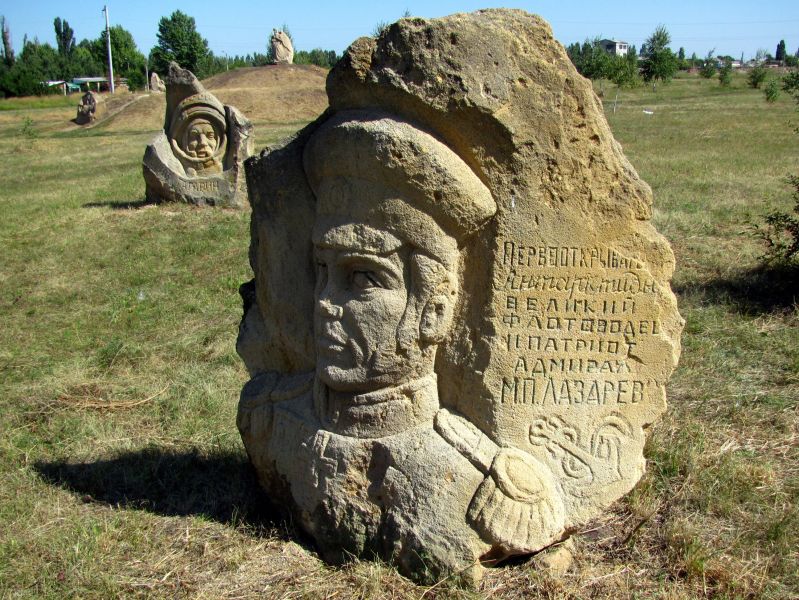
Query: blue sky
x,y
241,27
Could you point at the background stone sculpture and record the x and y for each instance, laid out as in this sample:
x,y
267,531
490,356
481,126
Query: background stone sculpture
x,y
198,157
156,85
460,325
282,48
91,107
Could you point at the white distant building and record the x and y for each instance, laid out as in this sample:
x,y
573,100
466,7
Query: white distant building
x,y
615,47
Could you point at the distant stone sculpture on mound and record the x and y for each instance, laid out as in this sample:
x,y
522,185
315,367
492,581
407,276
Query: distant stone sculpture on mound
x,y
198,157
282,48
92,107
156,84
461,326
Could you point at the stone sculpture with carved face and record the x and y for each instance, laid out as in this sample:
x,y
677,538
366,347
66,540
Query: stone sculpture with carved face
x,y
197,134
201,140
491,328
199,155
386,250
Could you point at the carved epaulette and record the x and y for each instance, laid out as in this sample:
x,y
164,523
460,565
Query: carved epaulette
x,y
466,438
517,506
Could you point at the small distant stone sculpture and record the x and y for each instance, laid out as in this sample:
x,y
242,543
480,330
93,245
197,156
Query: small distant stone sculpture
x,y
282,48
92,106
198,157
156,84
460,326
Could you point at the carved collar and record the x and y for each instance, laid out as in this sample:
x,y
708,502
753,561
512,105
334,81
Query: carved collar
x,y
381,413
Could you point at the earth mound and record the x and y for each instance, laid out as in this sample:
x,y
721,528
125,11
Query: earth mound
x,y
269,95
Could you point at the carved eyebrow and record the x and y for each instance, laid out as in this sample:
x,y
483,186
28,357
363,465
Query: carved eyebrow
x,y
380,263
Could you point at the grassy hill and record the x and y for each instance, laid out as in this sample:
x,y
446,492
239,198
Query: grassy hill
x,y
121,470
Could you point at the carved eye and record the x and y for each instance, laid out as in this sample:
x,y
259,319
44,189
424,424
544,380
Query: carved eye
x,y
365,280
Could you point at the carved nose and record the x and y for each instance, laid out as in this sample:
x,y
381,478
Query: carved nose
x,y
328,309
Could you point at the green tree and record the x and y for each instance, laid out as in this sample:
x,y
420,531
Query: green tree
x,y
128,61
780,55
317,56
36,63
590,59
64,37
772,90
659,62
178,40
725,73
682,63
8,48
84,62
708,68
65,42
624,73
757,75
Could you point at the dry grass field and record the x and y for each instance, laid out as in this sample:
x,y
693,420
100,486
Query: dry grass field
x,y
121,470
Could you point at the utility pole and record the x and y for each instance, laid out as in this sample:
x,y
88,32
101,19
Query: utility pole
x,y
108,45
146,75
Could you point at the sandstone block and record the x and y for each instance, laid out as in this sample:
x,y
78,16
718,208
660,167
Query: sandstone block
x,y
92,106
156,84
282,48
460,326
198,157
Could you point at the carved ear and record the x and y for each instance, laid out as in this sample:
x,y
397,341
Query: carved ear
x,y
436,317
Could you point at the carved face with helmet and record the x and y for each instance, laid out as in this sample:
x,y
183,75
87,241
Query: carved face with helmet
x,y
393,205
197,134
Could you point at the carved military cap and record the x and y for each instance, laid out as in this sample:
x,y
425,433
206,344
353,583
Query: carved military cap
x,y
375,168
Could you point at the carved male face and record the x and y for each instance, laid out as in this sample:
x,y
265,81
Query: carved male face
x,y
201,139
361,298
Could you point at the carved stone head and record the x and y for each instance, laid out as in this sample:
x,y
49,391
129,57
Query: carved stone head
x,y
393,205
197,134
199,155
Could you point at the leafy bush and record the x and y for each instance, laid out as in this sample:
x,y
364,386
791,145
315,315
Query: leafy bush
x,y
27,130
781,231
772,90
725,74
757,76
708,68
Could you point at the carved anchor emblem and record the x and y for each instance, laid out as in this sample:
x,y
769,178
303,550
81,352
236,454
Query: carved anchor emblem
x,y
599,458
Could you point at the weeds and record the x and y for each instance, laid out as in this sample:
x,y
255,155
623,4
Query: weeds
x,y
27,130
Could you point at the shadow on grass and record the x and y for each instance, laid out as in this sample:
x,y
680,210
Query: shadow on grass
x,y
121,204
219,486
766,289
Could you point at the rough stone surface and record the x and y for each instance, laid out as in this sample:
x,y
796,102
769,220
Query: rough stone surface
x,y
282,48
156,84
198,157
460,326
92,107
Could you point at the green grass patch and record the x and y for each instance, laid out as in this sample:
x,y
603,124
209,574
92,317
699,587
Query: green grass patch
x,y
39,102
